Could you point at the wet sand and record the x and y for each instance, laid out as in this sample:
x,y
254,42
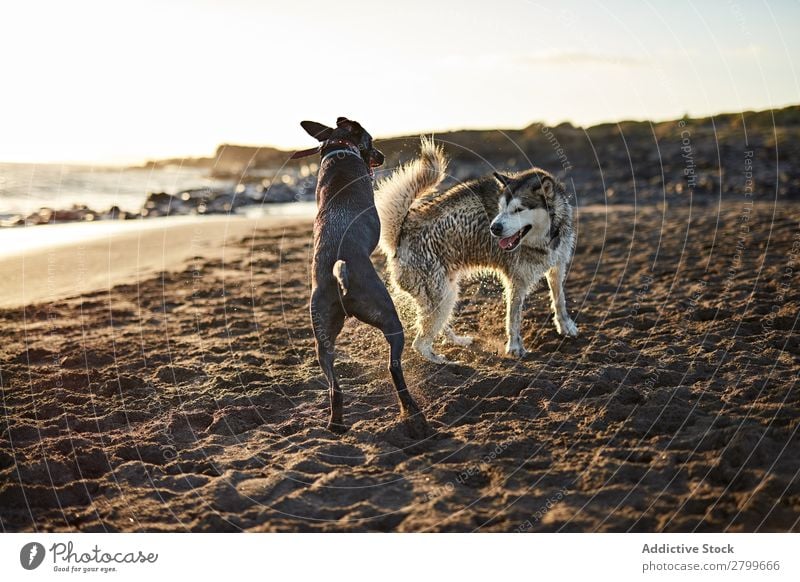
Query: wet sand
x,y
51,262
190,399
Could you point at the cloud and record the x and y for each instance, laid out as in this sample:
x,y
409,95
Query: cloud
x,y
579,58
494,61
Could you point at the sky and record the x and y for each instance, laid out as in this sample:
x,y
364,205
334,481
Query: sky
x,y
120,82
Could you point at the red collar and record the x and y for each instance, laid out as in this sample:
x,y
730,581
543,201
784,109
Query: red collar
x,y
345,144
338,145
342,143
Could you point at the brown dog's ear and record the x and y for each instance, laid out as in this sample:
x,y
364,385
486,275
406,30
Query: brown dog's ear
x,y
317,130
505,181
349,124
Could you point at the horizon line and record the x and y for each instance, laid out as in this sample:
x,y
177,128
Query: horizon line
x,y
143,162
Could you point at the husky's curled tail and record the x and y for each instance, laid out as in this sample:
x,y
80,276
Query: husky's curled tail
x,y
395,195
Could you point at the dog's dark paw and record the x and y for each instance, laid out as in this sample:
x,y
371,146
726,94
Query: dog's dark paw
x,y
417,427
337,427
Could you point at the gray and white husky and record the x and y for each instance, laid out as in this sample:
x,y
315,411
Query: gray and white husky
x,y
517,227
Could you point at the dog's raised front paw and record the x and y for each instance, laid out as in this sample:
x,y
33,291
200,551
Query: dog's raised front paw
x,y
567,328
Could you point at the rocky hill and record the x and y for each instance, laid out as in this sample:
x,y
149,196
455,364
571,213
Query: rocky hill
x,y
621,162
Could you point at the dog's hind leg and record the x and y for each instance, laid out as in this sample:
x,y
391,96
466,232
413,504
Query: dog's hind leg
x,y
435,301
327,322
555,280
377,310
449,332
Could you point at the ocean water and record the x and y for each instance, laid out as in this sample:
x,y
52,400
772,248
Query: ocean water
x,y
24,188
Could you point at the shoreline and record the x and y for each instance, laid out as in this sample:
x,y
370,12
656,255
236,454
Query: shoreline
x,y
53,262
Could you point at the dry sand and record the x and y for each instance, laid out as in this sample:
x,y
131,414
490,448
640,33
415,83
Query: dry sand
x,y
191,399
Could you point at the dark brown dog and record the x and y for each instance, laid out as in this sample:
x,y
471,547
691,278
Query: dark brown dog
x,y
344,282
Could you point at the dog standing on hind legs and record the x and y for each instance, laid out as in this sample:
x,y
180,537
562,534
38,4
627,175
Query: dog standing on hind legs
x,y
343,280
518,228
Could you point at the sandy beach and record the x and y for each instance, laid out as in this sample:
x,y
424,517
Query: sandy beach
x,y
47,263
164,380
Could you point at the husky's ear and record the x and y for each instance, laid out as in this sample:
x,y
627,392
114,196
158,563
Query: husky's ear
x,y
548,186
505,181
317,130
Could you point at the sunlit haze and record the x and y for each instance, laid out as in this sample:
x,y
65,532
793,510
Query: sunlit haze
x,y
120,82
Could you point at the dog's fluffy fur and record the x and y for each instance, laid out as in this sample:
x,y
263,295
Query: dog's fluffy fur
x,y
431,240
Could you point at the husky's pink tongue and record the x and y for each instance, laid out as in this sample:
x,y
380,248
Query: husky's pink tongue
x,y
508,242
